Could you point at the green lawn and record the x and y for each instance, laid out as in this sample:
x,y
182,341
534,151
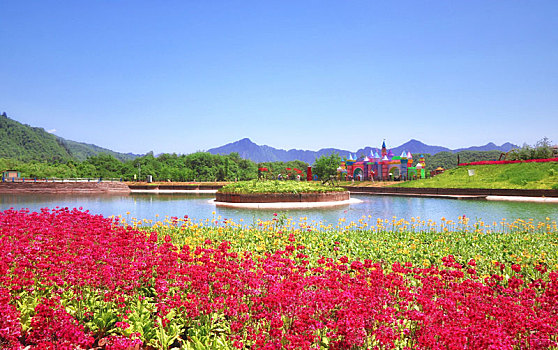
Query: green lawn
x,y
517,176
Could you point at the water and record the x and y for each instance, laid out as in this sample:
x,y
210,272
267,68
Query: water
x,y
198,206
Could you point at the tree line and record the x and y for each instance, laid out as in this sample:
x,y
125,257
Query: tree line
x,y
541,150
199,166
204,166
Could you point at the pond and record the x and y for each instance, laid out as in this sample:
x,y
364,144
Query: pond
x,y
199,206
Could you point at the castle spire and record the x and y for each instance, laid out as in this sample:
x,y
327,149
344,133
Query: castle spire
x,y
384,149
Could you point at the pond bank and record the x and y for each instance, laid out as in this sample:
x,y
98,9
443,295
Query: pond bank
x,y
286,205
516,195
92,187
107,187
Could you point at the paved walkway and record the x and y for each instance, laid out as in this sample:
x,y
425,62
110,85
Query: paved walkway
x,y
448,196
173,191
523,199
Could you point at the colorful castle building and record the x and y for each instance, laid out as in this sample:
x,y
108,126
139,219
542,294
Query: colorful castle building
x,y
384,166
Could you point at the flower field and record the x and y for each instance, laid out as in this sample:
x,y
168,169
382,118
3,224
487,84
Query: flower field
x,y
70,280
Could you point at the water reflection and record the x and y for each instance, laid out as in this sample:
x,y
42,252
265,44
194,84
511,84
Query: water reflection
x,y
198,206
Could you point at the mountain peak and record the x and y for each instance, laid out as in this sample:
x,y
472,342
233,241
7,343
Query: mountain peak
x,y
245,140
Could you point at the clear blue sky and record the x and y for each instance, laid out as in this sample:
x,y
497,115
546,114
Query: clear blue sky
x,y
181,76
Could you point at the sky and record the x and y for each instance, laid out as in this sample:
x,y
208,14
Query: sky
x,y
183,76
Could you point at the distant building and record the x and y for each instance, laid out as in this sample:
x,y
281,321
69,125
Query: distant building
x,y
383,166
10,175
437,171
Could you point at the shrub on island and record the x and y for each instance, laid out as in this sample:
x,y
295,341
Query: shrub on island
x,y
279,192
266,187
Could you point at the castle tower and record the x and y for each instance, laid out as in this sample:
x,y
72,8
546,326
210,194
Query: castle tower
x,y
384,149
422,167
404,165
422,161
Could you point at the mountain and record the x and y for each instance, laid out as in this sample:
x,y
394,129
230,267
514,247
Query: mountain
x,y
26,143
262,153
489,147
415,146
81,151
249,150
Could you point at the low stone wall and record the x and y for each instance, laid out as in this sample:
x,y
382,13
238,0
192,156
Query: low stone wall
x,y
454,191
64,187
282,197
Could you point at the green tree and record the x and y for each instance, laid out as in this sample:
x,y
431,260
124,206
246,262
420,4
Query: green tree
x,y
542,149
326,166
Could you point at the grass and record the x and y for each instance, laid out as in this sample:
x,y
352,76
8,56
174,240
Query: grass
x,y
274,186
501,176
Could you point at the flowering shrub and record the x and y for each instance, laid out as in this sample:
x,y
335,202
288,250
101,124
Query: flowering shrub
x,y
75,280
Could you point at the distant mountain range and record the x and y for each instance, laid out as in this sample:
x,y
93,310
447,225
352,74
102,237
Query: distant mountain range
x,y
262,153
24,142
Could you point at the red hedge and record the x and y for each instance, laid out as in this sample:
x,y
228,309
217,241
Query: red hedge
x,y
490,162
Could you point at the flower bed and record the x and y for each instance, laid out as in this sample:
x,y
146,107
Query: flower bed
x,y
69,279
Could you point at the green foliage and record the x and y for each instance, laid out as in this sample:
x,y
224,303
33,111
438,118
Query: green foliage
x,y
199,166
541,150
283,168
326,166
448,160
26,143
519,175
275,186
81,151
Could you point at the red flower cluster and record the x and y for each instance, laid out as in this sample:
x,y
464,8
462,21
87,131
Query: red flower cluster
x,y
63,258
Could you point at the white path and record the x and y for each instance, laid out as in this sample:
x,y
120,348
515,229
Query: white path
x,y
523,199
174,191
286,205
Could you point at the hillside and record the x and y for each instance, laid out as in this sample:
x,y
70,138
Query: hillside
x,y
518,176
81,151
23,142
448,160
263,153
26,143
